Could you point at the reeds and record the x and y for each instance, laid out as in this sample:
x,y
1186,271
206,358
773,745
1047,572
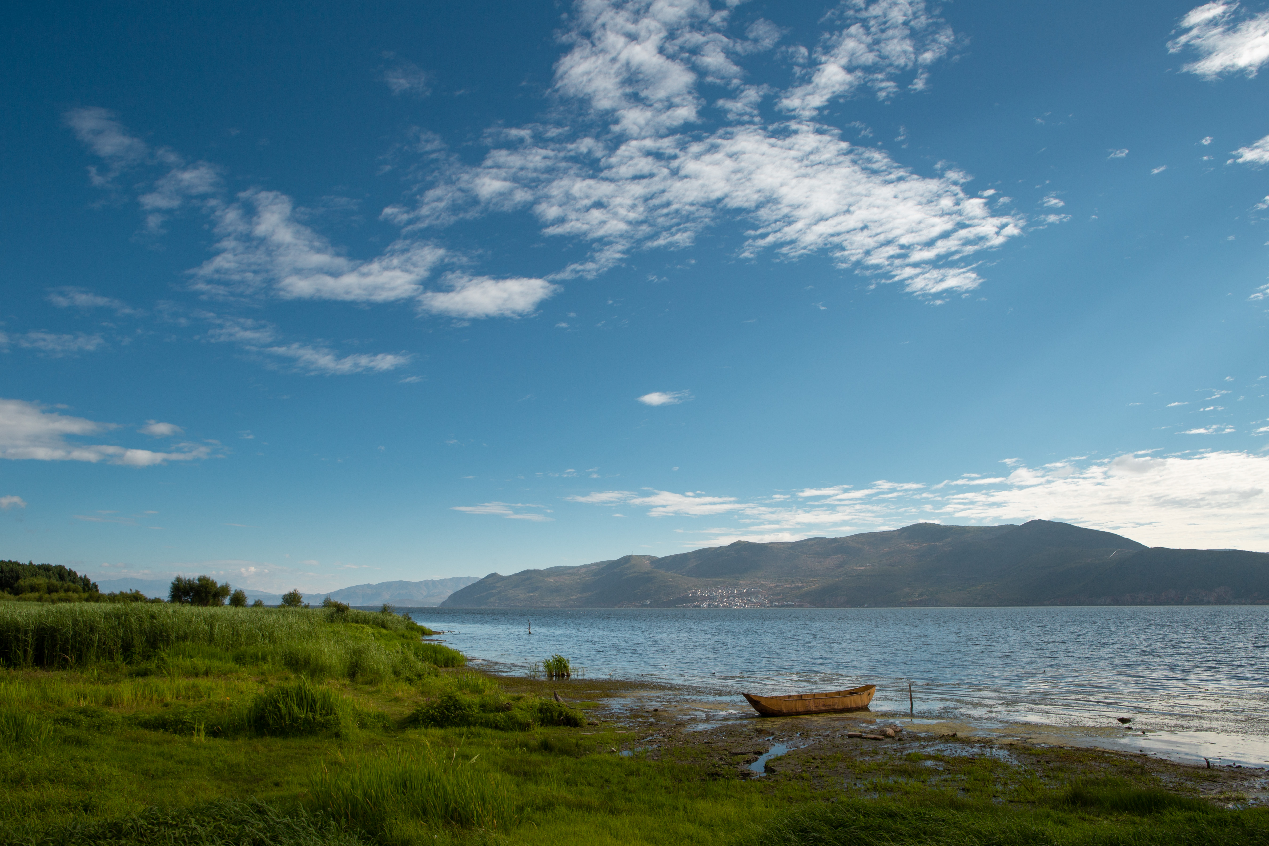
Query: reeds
x,y
167,639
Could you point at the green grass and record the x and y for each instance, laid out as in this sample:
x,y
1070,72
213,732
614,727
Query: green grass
x,y
157,725
299,708
402,795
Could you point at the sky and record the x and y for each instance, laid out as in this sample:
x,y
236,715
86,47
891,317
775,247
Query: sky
x,y
311,295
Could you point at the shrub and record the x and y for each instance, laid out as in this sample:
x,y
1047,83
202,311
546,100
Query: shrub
x,y
293,599
238,599
259,603
298,709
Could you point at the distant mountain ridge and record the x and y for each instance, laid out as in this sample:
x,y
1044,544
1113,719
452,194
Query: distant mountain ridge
x,y
1037,563
426,593
420,594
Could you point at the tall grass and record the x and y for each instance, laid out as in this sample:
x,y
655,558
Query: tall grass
x,y
20,728
298,709
388,795
226,822
184,640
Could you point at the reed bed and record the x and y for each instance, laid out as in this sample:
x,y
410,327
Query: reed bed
x,y
184,641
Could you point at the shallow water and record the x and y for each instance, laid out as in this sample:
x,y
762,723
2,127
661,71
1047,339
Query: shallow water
x,y
1182,673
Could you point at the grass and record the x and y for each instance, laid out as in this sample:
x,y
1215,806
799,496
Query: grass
x,y
154,724
402,795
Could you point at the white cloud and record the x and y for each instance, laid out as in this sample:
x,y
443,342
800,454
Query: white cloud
x,y
405,77
1214,499
1226,40
801,187
7,502
1159,169
876,42
53,344
324,362
665,397
98,130
155,429
1203,500
262,244
639,61
505,509
1216,429
29,432
263,247
1255,154
1118,154
79,298
315,359
1052,202
666,503
481,296
638,183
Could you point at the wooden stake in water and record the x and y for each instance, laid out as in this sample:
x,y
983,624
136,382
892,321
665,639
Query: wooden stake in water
x,y
911,708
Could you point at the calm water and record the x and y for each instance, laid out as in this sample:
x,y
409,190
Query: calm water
x,y
1192,671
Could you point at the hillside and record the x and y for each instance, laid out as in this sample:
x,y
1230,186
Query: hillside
x,y
1038,563
402,594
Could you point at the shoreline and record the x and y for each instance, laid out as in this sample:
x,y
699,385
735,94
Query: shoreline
x,y
668,717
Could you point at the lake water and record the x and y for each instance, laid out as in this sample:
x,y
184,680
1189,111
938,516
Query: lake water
x,y
1195,677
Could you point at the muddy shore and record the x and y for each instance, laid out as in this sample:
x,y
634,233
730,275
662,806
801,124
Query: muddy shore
x,y
880,752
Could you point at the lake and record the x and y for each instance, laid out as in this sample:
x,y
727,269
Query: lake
x,y
1194,676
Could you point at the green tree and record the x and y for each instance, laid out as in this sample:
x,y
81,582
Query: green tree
x,y
293,599
201,591
182,591
259,603
238,598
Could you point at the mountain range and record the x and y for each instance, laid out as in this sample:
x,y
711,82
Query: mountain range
x,y
401,594
1037,563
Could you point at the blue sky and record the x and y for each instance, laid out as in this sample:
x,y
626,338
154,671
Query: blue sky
x,y
321,295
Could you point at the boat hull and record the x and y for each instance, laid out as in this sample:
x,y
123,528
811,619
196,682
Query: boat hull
x,y
831,702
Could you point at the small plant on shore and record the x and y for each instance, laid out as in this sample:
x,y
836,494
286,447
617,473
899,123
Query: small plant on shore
x,y
557,668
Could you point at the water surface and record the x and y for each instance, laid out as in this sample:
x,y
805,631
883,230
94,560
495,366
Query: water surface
x,y
1196,674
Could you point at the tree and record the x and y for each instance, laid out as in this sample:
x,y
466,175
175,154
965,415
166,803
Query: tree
x,y
182,591
201,591
293,599
259,603
238,598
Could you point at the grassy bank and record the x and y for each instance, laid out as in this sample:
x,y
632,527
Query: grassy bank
x,y
164,724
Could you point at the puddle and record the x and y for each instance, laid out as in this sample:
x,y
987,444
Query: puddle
x,y
759,767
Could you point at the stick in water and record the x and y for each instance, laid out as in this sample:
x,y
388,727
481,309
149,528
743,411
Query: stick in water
x,y
911,708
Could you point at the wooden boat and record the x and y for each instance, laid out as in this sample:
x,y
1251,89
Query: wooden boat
x,y
833,701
